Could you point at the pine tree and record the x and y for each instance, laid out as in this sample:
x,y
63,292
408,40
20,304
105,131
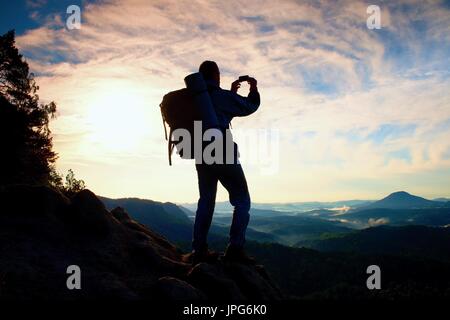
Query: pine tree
x,y
26,143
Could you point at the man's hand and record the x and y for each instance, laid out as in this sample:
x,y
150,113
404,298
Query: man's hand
x,y
253,83
235,86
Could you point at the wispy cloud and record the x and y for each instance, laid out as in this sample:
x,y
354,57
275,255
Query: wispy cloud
x,y
367,95
34,4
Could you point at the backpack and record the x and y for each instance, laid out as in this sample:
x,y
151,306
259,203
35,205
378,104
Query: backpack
x,y
178,111
180,108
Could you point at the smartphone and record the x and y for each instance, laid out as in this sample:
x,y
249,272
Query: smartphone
x,y
244,78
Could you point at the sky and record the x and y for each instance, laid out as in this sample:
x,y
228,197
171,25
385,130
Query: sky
x,y
353,112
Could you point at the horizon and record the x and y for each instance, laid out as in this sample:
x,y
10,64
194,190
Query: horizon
x,y
293,202
351,104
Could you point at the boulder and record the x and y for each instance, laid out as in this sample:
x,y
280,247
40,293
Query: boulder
x,y
173,289
120,214
32,201
253,281
88,214
211,279
42,232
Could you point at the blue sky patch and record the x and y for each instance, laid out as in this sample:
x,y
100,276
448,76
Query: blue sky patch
x,y
390,132
401,154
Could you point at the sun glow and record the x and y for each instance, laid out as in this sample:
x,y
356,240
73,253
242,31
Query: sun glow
x,y
118,119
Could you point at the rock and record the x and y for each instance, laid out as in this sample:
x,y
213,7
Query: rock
x,y
120,214
42,232
253,281
32,210
32,201
226,281
89,215
170,288
212,280
109,286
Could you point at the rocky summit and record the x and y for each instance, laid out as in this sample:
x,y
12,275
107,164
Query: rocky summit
x,y
43,233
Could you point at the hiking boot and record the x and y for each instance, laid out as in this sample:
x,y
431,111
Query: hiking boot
x,y
237,254
196,257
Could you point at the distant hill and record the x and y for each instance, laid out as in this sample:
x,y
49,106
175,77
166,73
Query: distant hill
x,y
165,218
402,200
335,276
225,208
274,226
442,199
265,213
251,234
288,229
323,213
173,222
431,242
188,212
427,217
396,200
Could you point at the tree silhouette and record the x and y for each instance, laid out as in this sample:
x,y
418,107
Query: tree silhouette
x,y
72,185
24,132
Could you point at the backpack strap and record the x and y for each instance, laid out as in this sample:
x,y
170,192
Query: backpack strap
x,y
170,146
169,139
164,124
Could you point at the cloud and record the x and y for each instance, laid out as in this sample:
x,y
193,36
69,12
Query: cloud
x,y
368,95
34,4
378,222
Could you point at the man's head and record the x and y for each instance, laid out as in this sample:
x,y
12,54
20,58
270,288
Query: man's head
x,y
210,71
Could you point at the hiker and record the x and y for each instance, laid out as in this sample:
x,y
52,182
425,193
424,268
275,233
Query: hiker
x,y
227,104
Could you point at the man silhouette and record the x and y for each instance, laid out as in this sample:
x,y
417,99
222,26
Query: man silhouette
x,y
227,104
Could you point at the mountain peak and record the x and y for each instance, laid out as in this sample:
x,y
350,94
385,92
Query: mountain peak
x,y
402,200
399,193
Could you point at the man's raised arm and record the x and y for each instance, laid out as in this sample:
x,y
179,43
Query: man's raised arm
x,y
244,106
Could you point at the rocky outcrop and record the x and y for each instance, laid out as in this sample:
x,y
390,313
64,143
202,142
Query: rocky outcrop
x,y
170,288
42,232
